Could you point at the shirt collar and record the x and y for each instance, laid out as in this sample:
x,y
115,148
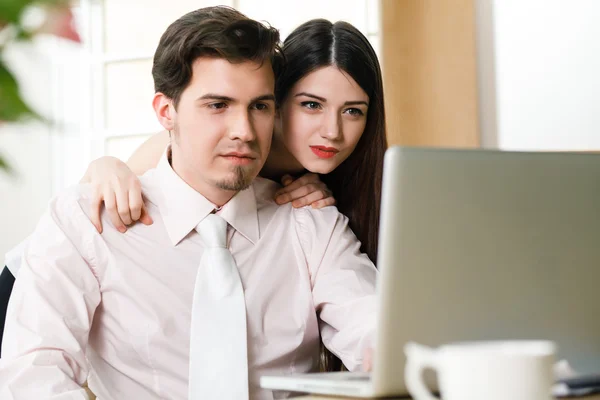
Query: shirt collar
x,y
182,207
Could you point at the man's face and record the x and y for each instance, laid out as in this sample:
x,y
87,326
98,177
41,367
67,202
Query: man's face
x,y
223,125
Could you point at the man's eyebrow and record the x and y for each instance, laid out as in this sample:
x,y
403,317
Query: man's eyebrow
x,y
314,96
214,96
264,97
219,97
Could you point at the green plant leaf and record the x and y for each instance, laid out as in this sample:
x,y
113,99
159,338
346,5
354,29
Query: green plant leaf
x,y
11,10
13,107
23,35
4,165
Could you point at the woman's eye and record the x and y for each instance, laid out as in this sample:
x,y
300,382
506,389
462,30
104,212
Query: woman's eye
x,y
217,106
311,105
354,111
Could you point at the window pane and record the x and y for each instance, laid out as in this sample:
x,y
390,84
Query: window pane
x,y
376,43
287,15
373,10
129,92
123,147
135,26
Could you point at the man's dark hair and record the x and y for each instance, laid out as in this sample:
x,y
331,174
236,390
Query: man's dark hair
x,y
220,32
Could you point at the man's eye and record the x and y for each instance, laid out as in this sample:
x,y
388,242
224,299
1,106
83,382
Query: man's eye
x,y
261,106
311,105
217,106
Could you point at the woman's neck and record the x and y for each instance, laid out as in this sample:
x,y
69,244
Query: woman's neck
x,y
280,161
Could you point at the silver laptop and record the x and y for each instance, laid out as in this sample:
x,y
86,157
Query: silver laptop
x,y
479,245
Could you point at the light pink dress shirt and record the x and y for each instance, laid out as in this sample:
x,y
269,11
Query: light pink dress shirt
x,y
115,309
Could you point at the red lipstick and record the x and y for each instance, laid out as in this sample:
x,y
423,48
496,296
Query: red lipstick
x,y
324,152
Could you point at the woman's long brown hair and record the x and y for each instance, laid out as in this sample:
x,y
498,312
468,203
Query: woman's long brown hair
x,y
356,183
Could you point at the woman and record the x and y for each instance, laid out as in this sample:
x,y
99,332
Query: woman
x,y
331,123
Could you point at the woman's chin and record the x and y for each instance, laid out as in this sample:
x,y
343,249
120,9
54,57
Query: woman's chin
x,y
321,167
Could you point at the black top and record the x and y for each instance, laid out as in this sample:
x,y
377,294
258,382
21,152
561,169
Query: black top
x,y
7,280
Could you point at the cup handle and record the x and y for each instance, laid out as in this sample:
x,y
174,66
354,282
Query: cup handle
x,y
418,358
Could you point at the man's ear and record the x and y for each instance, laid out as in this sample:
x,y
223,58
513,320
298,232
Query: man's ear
x,y
165,111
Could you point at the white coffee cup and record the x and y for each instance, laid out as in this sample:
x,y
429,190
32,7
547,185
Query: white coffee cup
x,y
496,370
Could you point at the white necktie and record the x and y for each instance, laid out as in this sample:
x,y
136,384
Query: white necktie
x,y
218,342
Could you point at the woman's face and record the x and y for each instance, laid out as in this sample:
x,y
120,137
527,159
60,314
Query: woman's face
x,y
323,118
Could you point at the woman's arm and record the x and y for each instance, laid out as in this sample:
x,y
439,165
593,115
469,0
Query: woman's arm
x,y
147,155
143,158
116,184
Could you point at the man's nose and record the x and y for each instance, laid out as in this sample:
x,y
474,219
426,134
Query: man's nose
x,y
242,128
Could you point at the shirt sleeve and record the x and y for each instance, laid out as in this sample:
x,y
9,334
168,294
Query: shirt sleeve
x,y
51,309
343,283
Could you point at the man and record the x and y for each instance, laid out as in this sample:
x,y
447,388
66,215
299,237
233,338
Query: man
x,y
224,286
